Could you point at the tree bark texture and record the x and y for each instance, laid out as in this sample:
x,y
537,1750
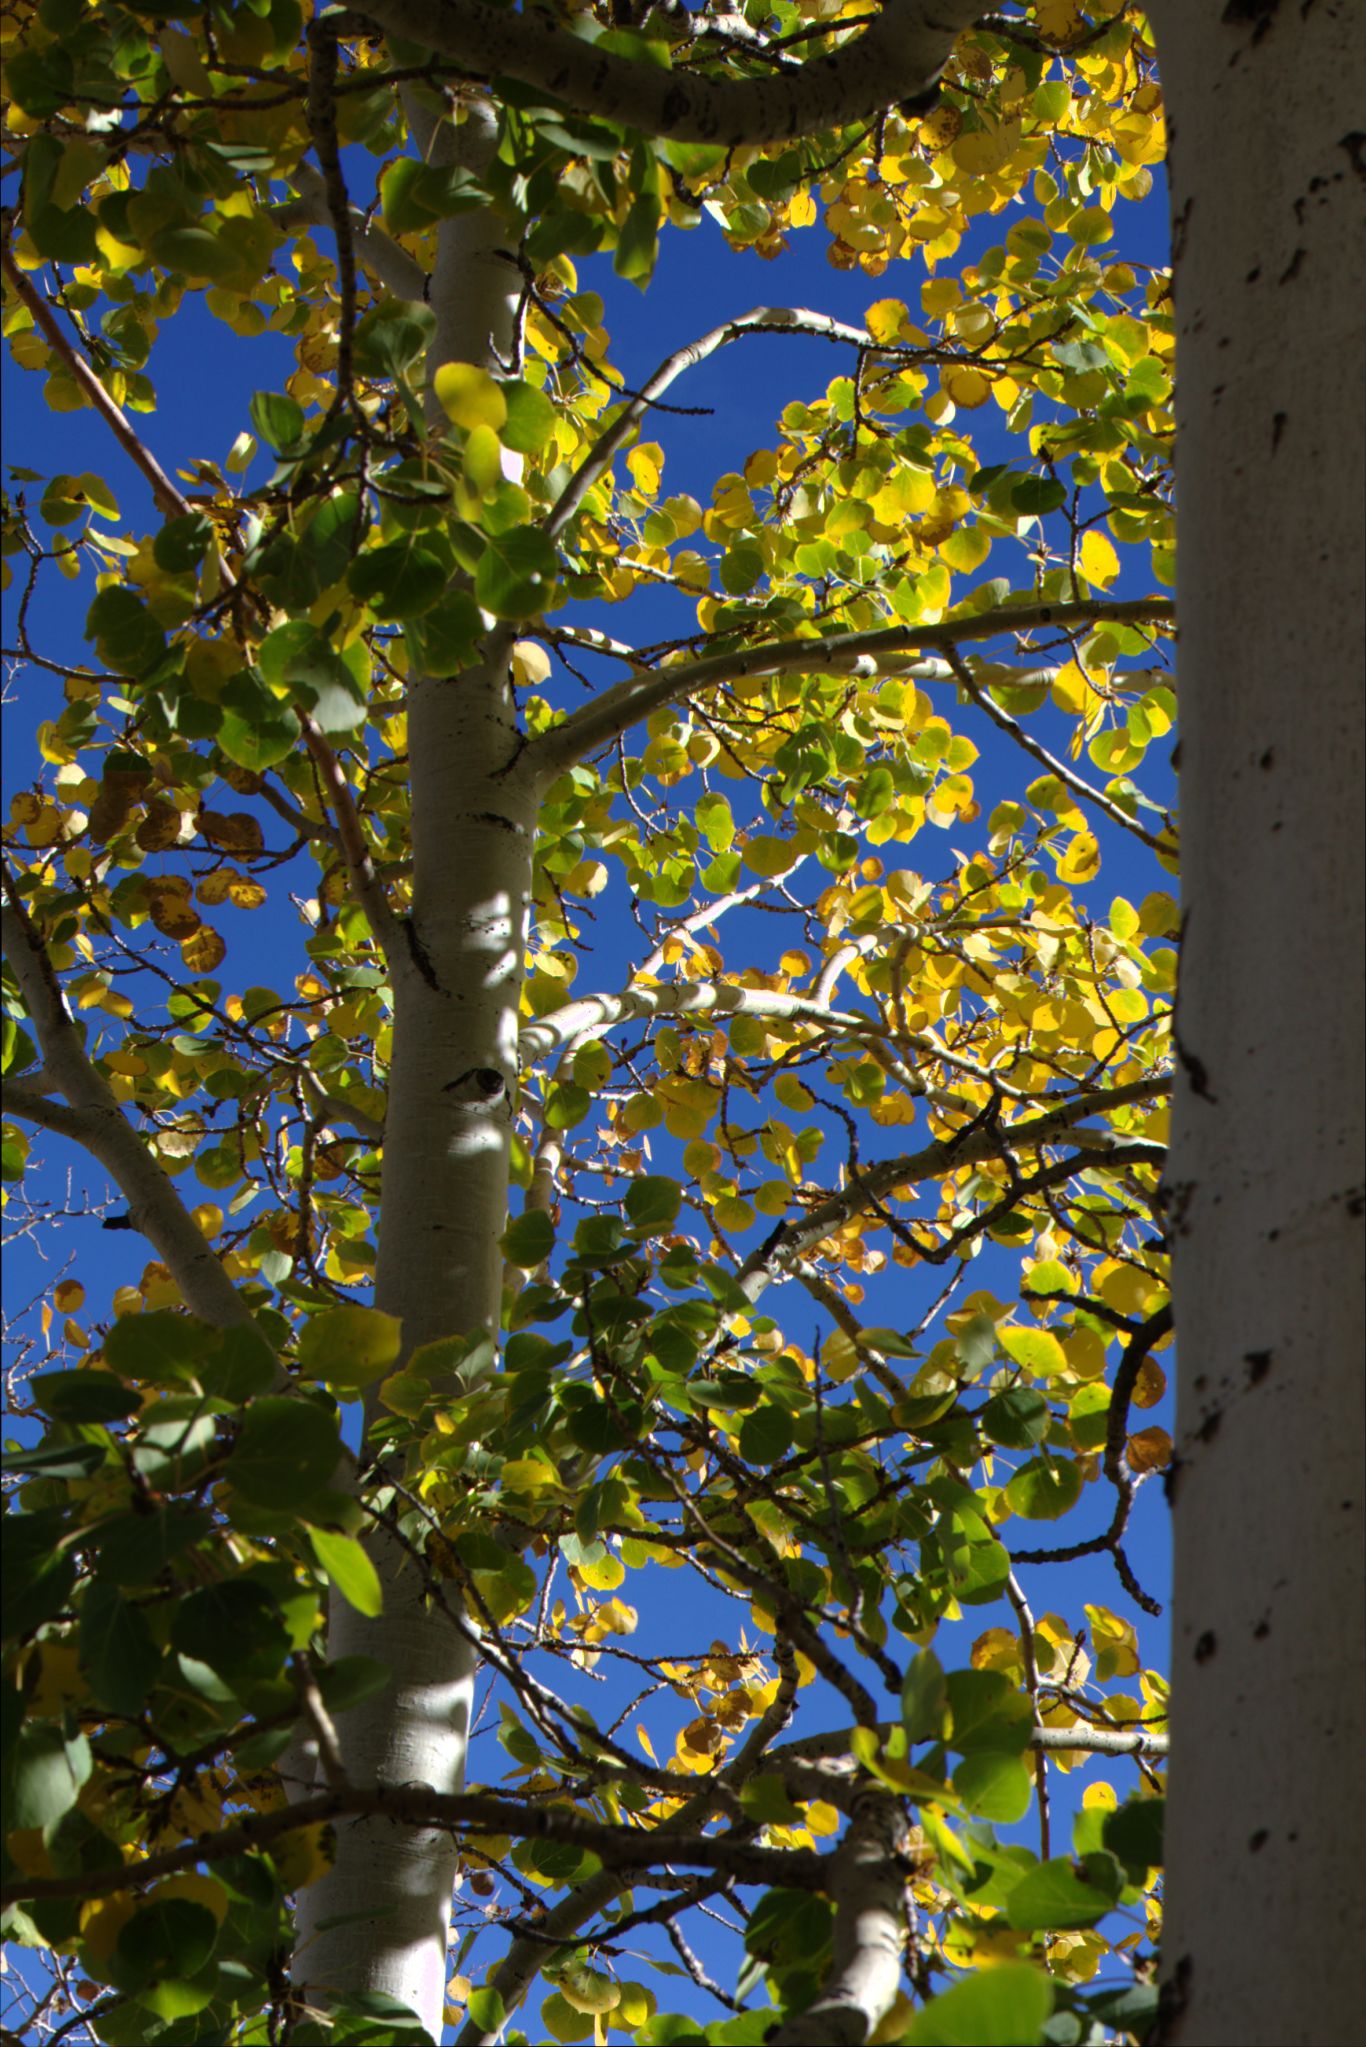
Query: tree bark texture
x,y
1264,1929
379,1920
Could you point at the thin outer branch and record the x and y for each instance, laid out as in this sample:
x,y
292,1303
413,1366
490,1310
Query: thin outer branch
x,y
899,58
322,121
417,1805
832,1747
769,1261
982,697
95,1120
169,499
361,868
761,320
632,699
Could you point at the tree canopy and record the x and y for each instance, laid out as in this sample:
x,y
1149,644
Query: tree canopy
x,y
707,1132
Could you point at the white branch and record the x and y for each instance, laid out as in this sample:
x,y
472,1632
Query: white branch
x,y
388,263
760,320
899,58
94,1120
632,699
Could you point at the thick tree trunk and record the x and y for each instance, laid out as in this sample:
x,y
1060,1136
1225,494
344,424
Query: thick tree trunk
x,y
379,1920
1264,1896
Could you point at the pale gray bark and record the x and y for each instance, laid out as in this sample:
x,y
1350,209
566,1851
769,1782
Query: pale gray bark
x,y
899,58
1265,1932
456,971
868,1891
90,1115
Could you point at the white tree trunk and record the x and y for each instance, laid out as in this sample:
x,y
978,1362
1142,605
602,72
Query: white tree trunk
x,y
1264,1932
379,1920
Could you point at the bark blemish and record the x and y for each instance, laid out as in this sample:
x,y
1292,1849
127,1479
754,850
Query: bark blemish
x,y
1258,1364
1257,1841
1206,1646
1292,268
1278,420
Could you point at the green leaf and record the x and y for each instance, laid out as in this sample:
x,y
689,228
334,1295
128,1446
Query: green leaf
x,y
169,1938
1017,1419
1000,2007
637,249
1133,1834
278,420
352,1679
652,1203
46,1773
258,730
344,1562
126,636
995,1786
529,1239
486,2009
392,338
349,1347
1044,1489
766,1435
296,654
83,1396
515,577
234,1628
134,1549
401,579
741,568
160,1346
531,418
1054,1896
987,1712
20,1052
286,1450
117,1651
925,1698
183,543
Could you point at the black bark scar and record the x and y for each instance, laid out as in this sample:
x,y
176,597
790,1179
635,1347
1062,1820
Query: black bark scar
x,y
420,957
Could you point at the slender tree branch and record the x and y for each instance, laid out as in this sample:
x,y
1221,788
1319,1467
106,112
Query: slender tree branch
x,y
625,703
364,880
417,1805
388,263
981,696
899,58
761,320
360,867
791,1241
95,1120
168,499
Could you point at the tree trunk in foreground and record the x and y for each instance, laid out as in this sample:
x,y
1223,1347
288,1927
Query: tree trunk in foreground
x,y
1264,1893
379,1920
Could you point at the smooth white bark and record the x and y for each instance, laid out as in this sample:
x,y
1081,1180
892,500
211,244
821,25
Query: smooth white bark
x,y
1265,1931
379,1920
898,58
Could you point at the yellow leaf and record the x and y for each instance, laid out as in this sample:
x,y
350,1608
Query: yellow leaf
x,y
1098,561
469,396
884,319
967,388
1080,858
304,1855
839,1355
